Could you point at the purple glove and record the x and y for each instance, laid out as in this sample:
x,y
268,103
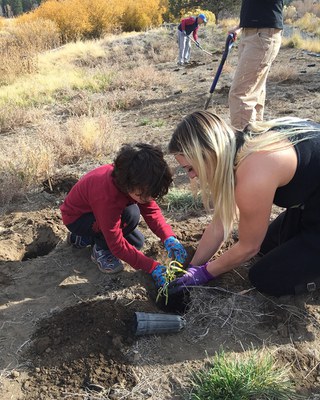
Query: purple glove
x,y
194,276
175,249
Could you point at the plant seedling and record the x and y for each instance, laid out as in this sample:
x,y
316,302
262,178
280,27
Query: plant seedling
x,y
172,272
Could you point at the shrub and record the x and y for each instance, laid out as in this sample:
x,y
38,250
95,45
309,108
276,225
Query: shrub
x,y
104,16
71,17
141,14
289,13
310,23
36,35
79,19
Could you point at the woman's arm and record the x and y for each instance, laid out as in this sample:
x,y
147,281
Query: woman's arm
x,y
209,244
258,177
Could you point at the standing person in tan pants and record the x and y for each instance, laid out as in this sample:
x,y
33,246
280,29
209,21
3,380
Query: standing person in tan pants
x,y
261,24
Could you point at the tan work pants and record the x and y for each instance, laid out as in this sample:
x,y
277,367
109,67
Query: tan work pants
x,y
257,50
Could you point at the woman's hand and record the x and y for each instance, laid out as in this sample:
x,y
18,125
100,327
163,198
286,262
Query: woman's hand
x,y
194,276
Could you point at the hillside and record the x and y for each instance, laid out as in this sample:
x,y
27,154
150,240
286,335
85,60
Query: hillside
x,y
65,329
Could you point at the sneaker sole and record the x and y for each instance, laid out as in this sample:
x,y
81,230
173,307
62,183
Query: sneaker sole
x,y
119,268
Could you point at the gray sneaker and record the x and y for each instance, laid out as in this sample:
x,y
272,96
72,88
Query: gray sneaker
x,y
106,261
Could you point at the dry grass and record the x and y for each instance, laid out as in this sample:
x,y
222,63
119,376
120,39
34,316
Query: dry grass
x,y
310,23
12,117
280,73
228,23
36,156
91,67
216,308
296,41
19,45
143,77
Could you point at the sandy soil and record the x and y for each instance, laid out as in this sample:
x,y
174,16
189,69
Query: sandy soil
x,y
67,331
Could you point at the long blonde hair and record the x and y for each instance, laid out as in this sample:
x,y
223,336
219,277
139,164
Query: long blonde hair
x,y
209,144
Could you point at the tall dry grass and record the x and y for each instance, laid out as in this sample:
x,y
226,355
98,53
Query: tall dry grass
x,y
298,42
19,45
36,156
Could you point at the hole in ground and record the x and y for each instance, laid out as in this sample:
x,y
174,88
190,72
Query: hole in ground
x,y
44,242
60,184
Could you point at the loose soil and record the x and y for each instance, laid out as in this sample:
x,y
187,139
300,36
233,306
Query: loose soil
x,y
67,330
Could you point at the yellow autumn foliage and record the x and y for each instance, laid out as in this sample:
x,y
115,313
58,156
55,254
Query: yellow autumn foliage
x,y
104,16
71,17
83,19
141,14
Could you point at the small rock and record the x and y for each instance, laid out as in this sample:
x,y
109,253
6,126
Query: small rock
x,y
14,374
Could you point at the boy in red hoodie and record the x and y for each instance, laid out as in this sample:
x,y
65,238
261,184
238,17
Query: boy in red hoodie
x,y
103,210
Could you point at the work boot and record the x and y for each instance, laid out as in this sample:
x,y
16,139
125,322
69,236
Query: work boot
x,y
106,261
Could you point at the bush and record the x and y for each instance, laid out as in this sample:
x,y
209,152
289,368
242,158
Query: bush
x,y
310,23
70,16
83,19
104,16
36,35
141,14
289,13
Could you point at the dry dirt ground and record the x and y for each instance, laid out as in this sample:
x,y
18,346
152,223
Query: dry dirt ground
x,y
66,330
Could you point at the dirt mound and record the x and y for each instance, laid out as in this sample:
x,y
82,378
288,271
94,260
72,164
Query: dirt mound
x,y
83,349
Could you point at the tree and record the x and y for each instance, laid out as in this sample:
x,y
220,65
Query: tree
x,y
16,6
215,6
28,5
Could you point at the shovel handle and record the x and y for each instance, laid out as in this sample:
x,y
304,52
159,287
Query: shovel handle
x,y
228,45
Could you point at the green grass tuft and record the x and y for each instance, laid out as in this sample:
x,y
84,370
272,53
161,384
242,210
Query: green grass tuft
x,y
232,378
181,200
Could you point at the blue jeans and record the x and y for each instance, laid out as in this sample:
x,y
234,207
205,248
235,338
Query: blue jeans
x,y
129,221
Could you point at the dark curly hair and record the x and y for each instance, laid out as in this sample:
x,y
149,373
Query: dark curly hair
x,y
141,167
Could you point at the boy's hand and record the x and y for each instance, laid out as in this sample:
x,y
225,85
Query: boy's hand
x,y
158,275
175,249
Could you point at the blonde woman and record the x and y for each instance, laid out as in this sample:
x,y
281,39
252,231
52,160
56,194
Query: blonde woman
x,y
242,174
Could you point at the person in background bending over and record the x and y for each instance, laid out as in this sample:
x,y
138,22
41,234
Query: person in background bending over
x,y
243,174
261,24
187,26
103,209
